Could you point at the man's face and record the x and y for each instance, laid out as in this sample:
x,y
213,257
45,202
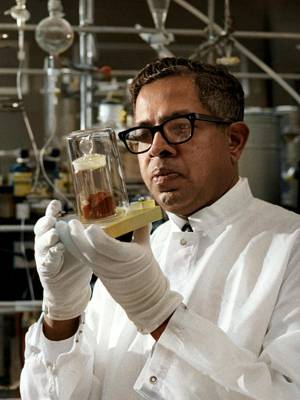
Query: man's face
x,y
183,178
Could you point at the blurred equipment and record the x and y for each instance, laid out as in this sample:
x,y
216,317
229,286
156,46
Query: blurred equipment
x,y
290,155
159,10
54,34
260,161
21,15
228,58
218,47
19,12
7,209
110,113
158,41
238,46
21,176
50,177
50,98
161,39
87,53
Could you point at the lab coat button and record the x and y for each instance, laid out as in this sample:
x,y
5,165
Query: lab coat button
x,y
183,242
153,379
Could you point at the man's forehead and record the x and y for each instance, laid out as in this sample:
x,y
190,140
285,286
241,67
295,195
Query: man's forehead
x,y
162,117
165,98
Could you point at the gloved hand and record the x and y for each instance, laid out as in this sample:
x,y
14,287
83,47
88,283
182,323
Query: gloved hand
x,y
65,280
128,271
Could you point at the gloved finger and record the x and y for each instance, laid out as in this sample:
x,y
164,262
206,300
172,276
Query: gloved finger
x,y
53,209
107,247
43,225
44,242
142,235
52,262
84,247
97,247
94,245
63,231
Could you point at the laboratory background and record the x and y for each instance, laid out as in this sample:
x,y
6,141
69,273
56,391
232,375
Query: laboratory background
x,y
66,65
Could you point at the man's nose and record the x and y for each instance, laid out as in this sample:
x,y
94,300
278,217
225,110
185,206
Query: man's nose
x,y
160,146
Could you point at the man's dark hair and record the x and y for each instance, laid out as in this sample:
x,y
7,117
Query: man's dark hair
x,y
219,91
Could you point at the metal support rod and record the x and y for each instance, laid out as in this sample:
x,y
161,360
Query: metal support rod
x,y
211,32
86,53
16,228
131,72
211,17
227,16
263,75
50,101
277,78
266,35
197,13
175,31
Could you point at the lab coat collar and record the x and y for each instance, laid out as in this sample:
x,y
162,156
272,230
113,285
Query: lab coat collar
x,y
218,214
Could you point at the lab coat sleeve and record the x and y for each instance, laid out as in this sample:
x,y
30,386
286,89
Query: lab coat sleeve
x,y
70,376
192,349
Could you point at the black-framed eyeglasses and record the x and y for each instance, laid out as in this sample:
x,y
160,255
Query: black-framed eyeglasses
x,y
175,130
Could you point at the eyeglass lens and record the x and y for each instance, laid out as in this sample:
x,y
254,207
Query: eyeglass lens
x,y
175,131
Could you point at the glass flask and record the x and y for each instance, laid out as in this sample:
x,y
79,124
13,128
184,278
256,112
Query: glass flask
x,y
159,10
97,175
54,35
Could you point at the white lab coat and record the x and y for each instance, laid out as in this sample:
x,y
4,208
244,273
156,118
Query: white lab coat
x,y
236,337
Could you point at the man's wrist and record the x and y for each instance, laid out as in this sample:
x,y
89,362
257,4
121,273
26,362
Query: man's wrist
x,y
60,330
160,330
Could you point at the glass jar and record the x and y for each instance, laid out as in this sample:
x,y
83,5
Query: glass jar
x,y
97,174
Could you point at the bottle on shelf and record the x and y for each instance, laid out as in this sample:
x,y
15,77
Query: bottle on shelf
x,y
21,176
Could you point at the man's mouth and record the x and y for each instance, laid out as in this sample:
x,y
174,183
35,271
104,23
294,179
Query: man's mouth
x,y
161,176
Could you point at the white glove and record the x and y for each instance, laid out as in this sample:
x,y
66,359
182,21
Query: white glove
x,y
128,271
65,280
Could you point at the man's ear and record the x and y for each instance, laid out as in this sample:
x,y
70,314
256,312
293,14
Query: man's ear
x,y
237,135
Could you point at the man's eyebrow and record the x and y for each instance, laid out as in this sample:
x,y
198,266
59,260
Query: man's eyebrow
x,y
164,118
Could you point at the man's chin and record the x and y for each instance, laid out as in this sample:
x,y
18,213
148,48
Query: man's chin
x,y
169,201
176,203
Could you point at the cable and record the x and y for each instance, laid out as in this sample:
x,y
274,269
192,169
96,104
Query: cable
x,y
28,126
27,267
21,17
46,176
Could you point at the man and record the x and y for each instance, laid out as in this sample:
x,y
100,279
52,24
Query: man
x,y
209,313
